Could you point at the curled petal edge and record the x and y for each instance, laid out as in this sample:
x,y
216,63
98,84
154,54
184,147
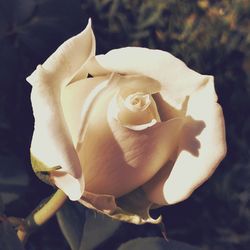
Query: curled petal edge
x,y
52,143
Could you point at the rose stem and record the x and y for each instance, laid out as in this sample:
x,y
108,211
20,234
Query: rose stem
x,y
46,209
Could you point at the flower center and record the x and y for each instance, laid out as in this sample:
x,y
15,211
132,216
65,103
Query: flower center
x,y
138,101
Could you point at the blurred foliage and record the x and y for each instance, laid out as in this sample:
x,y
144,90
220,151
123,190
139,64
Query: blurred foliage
x,y
101,226
71,219
211,36
150,243
8,237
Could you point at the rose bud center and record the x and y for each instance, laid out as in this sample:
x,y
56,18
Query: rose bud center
x,y
136,110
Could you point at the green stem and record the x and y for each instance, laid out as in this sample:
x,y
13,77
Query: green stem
x,y
41,214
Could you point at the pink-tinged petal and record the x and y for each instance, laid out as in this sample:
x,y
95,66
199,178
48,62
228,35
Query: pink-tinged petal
x,y
117,160
118,163
52,143
202,147
177,80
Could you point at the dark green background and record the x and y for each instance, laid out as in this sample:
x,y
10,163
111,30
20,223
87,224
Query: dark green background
x,y
212,37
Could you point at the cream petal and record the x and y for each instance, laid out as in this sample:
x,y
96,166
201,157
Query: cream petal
x,y
202,147
136,120
117,160
106,157
51,142
177,80
123,159
128,87
74,97
166,111
95,69
129,84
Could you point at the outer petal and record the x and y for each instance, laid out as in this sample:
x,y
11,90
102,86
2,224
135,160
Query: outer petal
x,y
202,147
67,63
51,142
177,80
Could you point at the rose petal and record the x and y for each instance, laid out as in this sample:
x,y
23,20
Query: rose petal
x,y
95,69
106,159
117,160
129,84
135,120
202,147
74,97
51,142
177,80
166,111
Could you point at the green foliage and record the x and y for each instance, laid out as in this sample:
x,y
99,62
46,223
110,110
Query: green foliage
x,y
210,36
71,220
8,237
97,225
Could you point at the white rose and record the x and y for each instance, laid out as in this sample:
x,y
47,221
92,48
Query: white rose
x,y
143,120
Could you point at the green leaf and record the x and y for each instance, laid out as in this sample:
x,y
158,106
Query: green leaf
x,y
97,225
71,219
8,237
155,243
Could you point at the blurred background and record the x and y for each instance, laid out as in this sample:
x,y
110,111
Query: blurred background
x,y
211,36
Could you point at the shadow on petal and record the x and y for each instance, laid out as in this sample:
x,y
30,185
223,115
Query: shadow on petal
x,y
167,111
190,130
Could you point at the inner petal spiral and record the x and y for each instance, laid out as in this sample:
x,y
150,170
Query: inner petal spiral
x,y
138,101
135,110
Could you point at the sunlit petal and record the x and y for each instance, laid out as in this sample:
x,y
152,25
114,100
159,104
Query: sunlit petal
x,y
176,79
51,142
202,147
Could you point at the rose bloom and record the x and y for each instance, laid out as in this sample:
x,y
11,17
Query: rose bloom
x,y
130,130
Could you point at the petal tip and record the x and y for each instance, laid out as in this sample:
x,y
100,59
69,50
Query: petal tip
x,y
87,27
29,79
89,22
